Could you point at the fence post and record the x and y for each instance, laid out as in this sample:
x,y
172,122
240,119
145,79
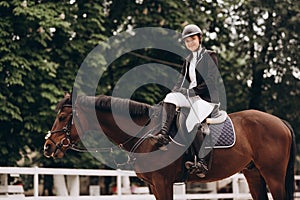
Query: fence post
x,y
179,188
235,186
119,183
3,179
59,183
73,185
126,185
36,182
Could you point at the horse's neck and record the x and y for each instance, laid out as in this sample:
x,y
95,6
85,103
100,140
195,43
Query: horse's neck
x,y
120,128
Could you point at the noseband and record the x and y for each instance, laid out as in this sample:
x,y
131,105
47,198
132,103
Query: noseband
x,y
66,141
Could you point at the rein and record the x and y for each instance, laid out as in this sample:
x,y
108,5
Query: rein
x,y
68,143
142,137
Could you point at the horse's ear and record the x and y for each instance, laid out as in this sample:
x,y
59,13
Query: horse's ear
x,y
67,94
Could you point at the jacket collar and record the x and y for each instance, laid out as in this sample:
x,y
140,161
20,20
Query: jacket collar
x,y
190,56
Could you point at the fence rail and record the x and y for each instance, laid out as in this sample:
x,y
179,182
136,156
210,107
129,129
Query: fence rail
x,y
36,172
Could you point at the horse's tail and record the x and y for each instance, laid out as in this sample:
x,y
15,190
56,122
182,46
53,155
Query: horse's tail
x,y
290,173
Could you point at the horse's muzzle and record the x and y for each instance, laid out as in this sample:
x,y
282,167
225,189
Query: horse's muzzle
x,y
48,151
51,151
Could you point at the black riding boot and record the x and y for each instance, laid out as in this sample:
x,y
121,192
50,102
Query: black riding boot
x,y
168,114
200,165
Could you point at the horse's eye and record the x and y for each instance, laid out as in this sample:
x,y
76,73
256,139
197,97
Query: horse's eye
x,y
62,118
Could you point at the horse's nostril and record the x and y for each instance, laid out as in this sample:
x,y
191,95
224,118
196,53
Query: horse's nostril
x,y
47,147
47,150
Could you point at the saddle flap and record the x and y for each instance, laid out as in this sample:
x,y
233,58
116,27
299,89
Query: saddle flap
x,y
200,109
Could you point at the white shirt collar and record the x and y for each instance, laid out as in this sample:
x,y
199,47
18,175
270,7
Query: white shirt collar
x,y
196,54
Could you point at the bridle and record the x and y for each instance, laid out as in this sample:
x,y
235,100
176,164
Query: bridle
x,y
66,141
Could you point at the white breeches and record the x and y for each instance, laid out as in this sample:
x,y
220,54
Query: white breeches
x,y
200,109
180,100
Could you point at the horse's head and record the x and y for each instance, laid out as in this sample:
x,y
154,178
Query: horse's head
x,y
63,133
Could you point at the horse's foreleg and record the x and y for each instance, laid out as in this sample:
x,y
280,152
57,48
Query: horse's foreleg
x,y
163,192
162,189
257,184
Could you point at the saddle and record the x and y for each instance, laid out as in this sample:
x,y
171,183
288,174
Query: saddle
x,y
184,135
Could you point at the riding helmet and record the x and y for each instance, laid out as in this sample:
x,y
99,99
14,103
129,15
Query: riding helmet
x,y
190,30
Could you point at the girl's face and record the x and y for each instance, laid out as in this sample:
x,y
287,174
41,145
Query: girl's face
x,y
192,43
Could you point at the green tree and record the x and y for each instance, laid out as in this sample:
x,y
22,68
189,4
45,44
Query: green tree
x,y
266,37
42,46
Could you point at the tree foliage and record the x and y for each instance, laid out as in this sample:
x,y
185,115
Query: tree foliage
x,y
43,43
267,39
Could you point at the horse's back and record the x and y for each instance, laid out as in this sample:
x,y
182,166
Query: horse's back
x,y
253,119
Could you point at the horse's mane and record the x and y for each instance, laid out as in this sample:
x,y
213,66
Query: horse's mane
x,y
119,105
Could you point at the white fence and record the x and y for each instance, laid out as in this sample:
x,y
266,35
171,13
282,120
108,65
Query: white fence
x,y
36,172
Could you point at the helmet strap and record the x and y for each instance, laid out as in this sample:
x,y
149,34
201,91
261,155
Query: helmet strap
x,y
200,39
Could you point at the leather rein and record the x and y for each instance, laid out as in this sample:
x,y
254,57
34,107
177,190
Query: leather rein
x,y
67,142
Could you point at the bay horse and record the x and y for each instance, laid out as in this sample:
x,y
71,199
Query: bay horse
x,y
264,150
